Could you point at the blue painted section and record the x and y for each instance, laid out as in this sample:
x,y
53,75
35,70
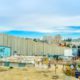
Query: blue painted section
x,y
22,64
6,64
55,56
74,51
5,51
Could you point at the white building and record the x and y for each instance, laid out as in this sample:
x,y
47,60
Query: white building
x,y
68,52
48,39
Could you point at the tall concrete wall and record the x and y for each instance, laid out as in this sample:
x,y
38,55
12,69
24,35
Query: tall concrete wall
x,y
25,46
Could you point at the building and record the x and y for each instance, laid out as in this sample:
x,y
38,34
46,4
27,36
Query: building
x,y
48,39
57,38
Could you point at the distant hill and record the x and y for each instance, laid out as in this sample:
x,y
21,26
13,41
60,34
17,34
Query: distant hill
x,y
29,34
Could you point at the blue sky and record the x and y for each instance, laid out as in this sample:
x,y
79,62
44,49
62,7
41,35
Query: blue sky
x,y
45,16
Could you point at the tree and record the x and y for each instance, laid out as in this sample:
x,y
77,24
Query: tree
x,y
68,40
68,45
35,40
73,46
79,46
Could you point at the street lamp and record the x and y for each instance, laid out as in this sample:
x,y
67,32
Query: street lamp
x,y
55,76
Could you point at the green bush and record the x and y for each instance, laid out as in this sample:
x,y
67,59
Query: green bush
x,y
10,67
79,65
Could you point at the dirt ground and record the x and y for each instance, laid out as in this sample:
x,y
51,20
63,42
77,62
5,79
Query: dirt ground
x,y
34,73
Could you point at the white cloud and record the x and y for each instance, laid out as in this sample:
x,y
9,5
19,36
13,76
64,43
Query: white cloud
x,y
46,23
43,23
39,15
